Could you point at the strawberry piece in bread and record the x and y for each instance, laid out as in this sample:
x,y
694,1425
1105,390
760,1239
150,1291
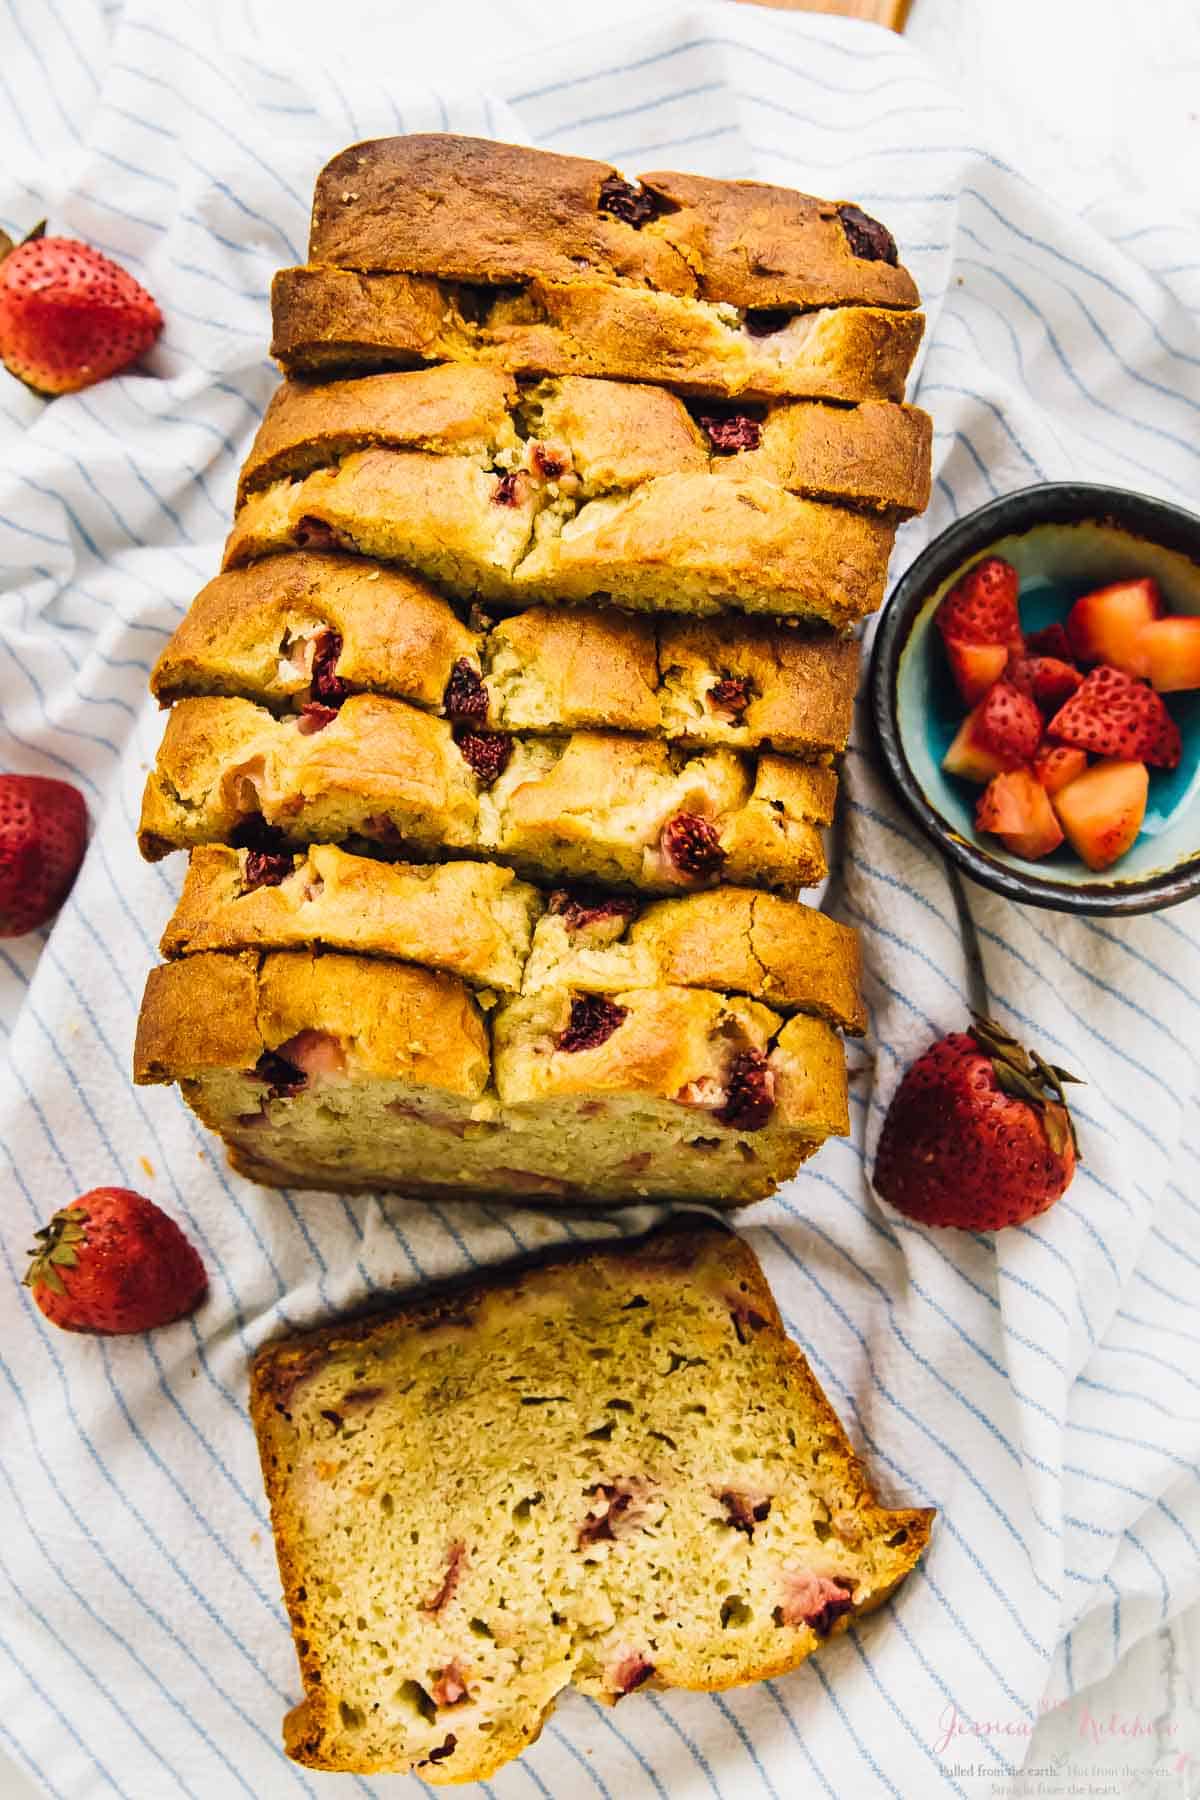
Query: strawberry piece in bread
x,y
1002,732
1016,808
1104,626
1113,715
1102,810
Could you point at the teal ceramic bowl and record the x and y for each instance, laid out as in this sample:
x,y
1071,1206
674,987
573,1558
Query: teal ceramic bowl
x,y
1064,539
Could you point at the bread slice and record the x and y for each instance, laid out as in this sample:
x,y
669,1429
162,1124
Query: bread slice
x,y
594,806
335,321
478,921
677,543
280,630
351,1072
608,1470
584,437
474,210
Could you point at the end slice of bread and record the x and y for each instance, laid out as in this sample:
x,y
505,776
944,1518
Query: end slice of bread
x,y
610,1471
353,1072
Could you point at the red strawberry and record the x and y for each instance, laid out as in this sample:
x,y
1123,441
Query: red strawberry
x,y
1102,810
1002,733
43,834
981,607
1052,640
1047,680
978,1134
68,315
112,1262
1114,715
978,619
1016,807
1103,627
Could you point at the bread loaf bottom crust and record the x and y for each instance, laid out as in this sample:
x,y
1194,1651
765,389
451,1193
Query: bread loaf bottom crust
x,y
477,920
260,632
337,321
609,1469
623,811
334,1070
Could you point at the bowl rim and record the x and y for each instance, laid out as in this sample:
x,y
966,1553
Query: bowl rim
x,y
1045,503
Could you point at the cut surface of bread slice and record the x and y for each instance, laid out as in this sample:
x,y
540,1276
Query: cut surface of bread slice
x,y
335,321
349,1072
607,1470
678,543
594,806
299,628
585,438
479,921
480,211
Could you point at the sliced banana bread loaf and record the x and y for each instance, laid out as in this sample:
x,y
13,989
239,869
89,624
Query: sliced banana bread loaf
x,y
610,1470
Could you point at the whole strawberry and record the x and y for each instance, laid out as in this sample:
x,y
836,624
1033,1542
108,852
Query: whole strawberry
x,y
113,1262
43,834
978,1134
68,315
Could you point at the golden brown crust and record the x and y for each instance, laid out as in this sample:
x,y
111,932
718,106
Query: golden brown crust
x,y
680,543
798,687
593,806
745,942
475,210
254,632
196,1018
601,436
328,320
395,1022
471,919
688,1256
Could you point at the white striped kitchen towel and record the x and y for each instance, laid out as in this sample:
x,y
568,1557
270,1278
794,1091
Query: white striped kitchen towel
x,y
1042,1391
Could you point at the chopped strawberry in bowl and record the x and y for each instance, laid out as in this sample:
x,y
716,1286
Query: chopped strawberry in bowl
x,y
1036,691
